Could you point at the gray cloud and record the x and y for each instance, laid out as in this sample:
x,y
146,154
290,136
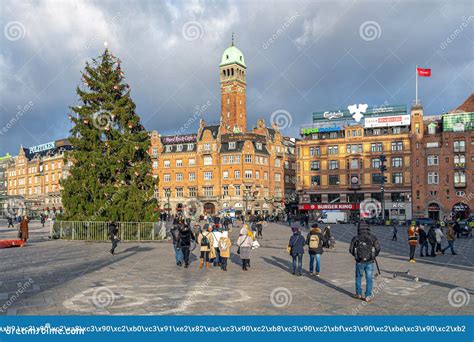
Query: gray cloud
x,y
302,56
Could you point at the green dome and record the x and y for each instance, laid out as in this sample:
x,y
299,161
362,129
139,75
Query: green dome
x,y
232,55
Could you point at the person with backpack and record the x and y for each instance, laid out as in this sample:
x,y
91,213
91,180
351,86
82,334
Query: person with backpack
x,y
216,236
365,248
224,248
185,237
412,241
206,243
423,241
178,254
450,237
296,250
432,240
314,240
113,231
244,243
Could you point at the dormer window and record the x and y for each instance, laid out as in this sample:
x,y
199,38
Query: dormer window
x,y
190,147
168,148
232,145
227,56
432,128
259,146
179,148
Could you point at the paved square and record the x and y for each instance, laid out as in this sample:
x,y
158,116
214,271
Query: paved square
x,y
51,277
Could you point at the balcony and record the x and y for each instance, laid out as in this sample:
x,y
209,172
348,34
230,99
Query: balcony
x,y
459,185
459,165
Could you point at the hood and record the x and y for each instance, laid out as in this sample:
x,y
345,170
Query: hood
x,y
315,230
363,228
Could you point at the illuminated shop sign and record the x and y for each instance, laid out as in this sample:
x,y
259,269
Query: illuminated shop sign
x,y
461,122
316,130
357,113
329,206
42,147
387,121
179,139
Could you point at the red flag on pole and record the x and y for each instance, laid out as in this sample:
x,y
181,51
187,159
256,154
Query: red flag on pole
x,y
424,72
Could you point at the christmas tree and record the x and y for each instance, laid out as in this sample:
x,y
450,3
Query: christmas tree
x,y
110,174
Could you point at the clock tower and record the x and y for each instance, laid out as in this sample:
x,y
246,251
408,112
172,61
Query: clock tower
x,y
232,76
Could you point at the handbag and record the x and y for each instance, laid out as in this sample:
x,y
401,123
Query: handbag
x,y
288,249
238,249
255,244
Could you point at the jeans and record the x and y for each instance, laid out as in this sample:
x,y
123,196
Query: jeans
x,y
114,244
412,251
217,259
450,245
433,246
311,262
298,257
205,255
424,246
185,250
360,269
224,263
178,254
438,246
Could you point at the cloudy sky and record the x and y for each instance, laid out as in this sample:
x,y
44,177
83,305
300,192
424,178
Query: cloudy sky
x,y
301,56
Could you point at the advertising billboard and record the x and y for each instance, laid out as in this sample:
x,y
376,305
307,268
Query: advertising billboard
x,y
458,122
387,121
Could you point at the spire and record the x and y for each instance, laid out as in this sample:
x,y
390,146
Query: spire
x,y
232,38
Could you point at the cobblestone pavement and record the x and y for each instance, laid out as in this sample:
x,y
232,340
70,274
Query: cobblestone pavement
x,y
51,277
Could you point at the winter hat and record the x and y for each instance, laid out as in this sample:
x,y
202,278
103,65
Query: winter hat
x,y
363,227
295,229
314,225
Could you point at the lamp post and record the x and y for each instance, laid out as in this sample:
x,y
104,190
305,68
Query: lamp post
x,y
355,186
168,195
383,180
248,196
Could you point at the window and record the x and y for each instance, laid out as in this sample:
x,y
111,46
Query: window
x,y
397,145
376,147
397,162
208,191
166,177
168,148
207,160
166,163
231,159
179,177
459,178
225,175
354,164
257,175
397,178
315,180
376,178
432,128
208,175
433,160
433,178
192,176
376,131
315,165
232,145
334,198
206,147
258,146
459,146
192,161
459,160
278,162
179,162
248,174
277,177
317,151
179,192
332,150
248,158
190,147
460,193
265,175
237,190
397,197
179,148
192,192
225,190
375,163
396,130
311,151
333,165
155,164
333,179
237,174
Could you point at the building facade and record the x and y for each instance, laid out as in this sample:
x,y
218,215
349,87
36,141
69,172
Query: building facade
x,y
225,166
443,163
339,166
5,162
35,174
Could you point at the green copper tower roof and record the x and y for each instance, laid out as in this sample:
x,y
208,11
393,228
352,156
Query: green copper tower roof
x,y
233,55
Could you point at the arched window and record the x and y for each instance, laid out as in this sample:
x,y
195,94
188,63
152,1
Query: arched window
x,y
232,71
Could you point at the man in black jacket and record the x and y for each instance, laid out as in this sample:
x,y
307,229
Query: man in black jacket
x,y
113,231
184,243
365,248
315,241
178,254
423,241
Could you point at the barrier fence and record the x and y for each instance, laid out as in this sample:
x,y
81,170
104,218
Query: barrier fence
x,y
99,231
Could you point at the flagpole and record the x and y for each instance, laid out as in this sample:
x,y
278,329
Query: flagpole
x,y
416,90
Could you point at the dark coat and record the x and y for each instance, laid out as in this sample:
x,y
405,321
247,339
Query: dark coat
x,y
422,236
297,243
362,234
24,230
185,237
113,230
315,231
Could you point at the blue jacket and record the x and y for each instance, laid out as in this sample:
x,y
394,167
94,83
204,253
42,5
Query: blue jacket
x,y
297,243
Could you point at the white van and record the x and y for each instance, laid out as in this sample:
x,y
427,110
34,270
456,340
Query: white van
x,y
333,217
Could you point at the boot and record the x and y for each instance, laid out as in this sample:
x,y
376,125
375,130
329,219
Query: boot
x,y
201,262
207,264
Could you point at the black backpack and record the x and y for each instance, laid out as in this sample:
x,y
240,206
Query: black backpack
x,y
204,240
432,236
364,249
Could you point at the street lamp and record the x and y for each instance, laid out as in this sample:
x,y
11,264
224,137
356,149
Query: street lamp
x,y
248,196
383,180
168,195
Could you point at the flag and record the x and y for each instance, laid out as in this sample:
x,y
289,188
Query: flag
x,y
424,72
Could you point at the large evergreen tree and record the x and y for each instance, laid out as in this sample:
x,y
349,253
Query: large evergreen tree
x,y
110,174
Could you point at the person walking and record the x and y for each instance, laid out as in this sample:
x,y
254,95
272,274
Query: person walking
x,y
43,220
327,237
224,248
24,232
113,231
216,236
296,249
394,232
10,222
244,243
423,241
365,248
206,243
314,240
260,224
412,241
432,240
184,240
450,237
288,219
439,237
178,254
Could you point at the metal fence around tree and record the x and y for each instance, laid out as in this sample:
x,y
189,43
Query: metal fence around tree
x,y
99,231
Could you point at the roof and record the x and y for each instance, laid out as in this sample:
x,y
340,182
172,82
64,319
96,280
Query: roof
x,y
214,131
467,106
184,148
233,55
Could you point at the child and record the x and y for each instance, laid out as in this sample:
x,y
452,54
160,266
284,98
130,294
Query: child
x,y
224,247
